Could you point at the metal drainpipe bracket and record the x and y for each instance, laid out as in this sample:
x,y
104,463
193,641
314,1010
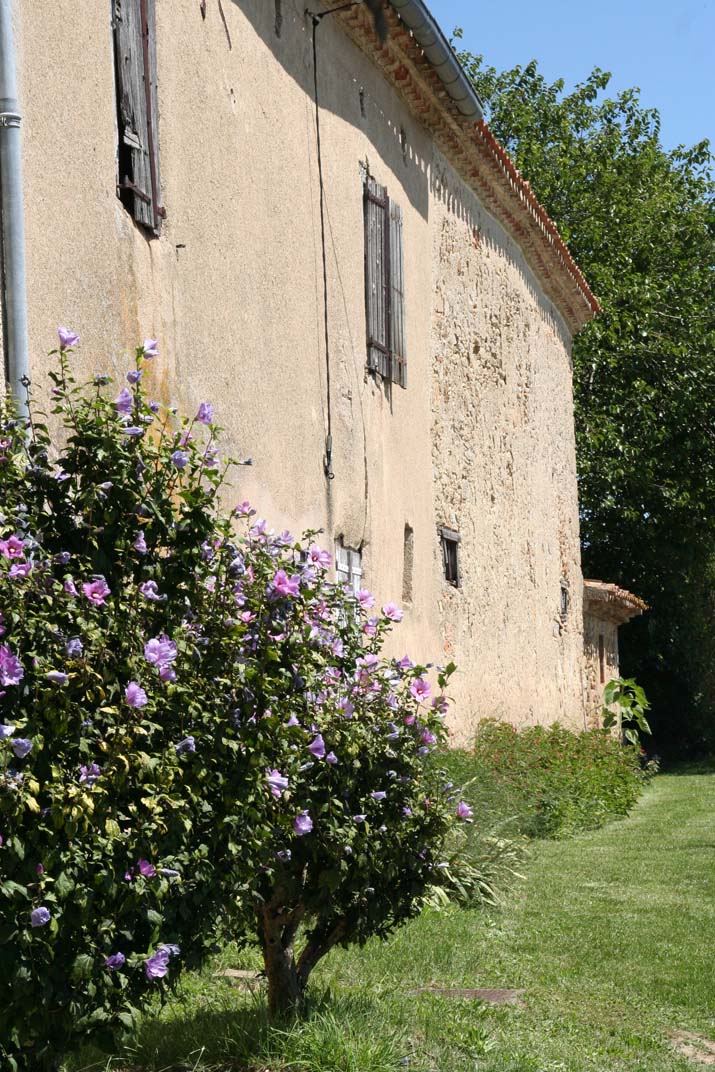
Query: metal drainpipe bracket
x,y
10,119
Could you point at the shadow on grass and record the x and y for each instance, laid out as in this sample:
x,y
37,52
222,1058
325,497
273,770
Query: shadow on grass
x,y
344,1034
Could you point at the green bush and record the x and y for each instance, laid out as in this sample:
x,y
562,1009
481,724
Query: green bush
x,y
198,737
546,782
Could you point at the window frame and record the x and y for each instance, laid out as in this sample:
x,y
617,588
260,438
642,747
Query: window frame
x,y
449,538
385,321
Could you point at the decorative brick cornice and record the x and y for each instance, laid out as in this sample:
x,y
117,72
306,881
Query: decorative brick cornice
x,y
480,160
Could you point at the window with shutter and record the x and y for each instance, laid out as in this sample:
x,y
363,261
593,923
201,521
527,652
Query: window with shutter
x,y
137,114
348,567
384,284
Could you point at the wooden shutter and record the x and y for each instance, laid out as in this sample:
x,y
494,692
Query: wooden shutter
x,y
377,277
398,370
135,57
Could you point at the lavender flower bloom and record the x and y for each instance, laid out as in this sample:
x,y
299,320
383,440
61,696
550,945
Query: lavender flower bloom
x,y
22,747
292,721
180,459
134,695
317,747
150,348
89,775
67,338
172,950
150,591
166,674
74,648
40,869
394,731
392,611
157,966
134,375
12,547
57,677
464,811
302,824
69,587
205,414
428,737
407,811
359,818
132,430
115,962
378,794
146,869
11,672
285,585
331,758
319,557
39,917
277,782
187,745
420,689
140,543
160,651
124,402
96,590
365,599
6,730
21,569
169,872
63,558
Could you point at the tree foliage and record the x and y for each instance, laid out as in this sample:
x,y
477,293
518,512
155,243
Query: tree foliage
x,y
199,740
640,222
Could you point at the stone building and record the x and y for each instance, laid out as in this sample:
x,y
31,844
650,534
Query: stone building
x,y
605,608
364,286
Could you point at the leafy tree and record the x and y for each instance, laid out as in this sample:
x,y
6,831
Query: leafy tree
x,y
199,739
640,222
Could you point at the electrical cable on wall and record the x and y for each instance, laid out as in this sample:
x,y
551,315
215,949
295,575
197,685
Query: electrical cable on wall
x,y
381,29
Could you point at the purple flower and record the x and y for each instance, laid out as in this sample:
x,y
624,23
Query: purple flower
x,y
392,611
73,647
187,745
302,824
160,651
245,509
124,402
89,775
146,869
166,674
172,950
319,557
57,677
428,737
292,721
140,543
157,966
169,872
394,731
405,663
40,869
12,547
150,591
96,590
134,375
115,962
21,746
150,348
132,430
21,569
39,917
420,689
407,811
331,758
317,747
69,587
180,459
205,414
463,811
285,585
134,695
359,818
11,672
277,782
378,794
6,730
68,338
365,599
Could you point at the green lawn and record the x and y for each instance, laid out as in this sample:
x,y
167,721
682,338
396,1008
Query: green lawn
x,y
611,937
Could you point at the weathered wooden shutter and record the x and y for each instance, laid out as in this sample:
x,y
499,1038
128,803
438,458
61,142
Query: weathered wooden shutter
x,y
377,277
398,347
135,55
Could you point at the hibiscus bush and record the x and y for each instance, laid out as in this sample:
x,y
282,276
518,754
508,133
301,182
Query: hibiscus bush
x,y
199,738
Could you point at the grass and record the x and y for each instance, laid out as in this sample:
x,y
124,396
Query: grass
x,y
610,937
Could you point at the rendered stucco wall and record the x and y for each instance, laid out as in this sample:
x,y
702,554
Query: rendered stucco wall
x,y
233,291
594,628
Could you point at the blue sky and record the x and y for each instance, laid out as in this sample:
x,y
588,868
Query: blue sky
x,y
668,49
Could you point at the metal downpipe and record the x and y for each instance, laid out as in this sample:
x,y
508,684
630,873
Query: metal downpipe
x,y
439,52
11,212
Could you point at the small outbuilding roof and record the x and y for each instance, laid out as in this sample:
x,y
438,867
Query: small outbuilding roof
x,y
611,603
